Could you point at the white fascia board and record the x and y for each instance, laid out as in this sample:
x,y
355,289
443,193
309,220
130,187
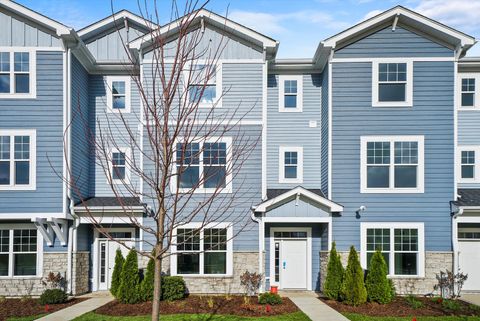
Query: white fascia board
x,y
205,14
124,14
32,15
334,207
398,11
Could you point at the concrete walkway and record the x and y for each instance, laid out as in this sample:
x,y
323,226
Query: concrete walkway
x,y
315,309
473,298
94,301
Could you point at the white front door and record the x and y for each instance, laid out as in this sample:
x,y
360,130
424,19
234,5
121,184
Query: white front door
x,y
293,268
106,261
469,261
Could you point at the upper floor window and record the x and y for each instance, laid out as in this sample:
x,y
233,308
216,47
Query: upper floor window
x,y
118,94
17,159
204,166
392,164
204,83
468,92
290,93
402,246
119,165
392,84
17,74
467,163
291,165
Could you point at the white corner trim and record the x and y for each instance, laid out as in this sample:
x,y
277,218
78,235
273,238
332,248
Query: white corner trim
x,y
392,226
32,72
32,133
408,87
281,164
203,226
264,127
281,93
392,139
128,94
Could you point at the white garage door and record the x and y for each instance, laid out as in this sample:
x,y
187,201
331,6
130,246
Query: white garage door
x,y
469,257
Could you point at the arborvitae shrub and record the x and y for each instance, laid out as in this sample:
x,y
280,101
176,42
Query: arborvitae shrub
x,y
146,287
377,284
128,291
335,273
53,296
353,287
117,271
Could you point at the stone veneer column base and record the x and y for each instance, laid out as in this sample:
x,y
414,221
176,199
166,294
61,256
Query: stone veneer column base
x,y
434,263
80,272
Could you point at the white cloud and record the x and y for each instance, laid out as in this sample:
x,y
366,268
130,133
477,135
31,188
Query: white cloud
x,y
371,14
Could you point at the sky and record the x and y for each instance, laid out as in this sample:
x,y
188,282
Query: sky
x,y
299,25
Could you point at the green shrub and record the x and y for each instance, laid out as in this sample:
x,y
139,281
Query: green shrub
x,y
173,288
146,287
269,298
128,291
353,288
413,302
117,271
53,296
451,305
335,273
377,284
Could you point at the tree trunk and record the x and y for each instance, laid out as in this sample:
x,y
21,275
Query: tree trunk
x,y
157,288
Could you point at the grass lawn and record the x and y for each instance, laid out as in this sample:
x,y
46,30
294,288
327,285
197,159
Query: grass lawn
x,y
359,317
297,316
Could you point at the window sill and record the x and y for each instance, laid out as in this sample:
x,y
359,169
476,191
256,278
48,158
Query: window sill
x,y
468,108
405,277
290,110
18,96
211,276
392,191
225,190
118,111
18,188
392,104
16,277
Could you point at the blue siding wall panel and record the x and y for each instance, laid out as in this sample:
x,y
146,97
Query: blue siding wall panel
x,y
45,114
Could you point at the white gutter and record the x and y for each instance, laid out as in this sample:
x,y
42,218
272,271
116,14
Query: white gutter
x,y
261,243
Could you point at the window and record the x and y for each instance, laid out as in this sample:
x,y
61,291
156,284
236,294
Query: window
x,y
204,84
468,92
290,93
392,83
204,166
206,251
119,165
468,164
17,159
402,246
392,164
291,164
19,252
118,97
17,74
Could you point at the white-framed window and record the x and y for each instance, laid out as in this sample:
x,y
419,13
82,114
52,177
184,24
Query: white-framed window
x,y
17,73
17,159
402,246
290,164
468,92
468,163
290,93
392,164
392,83
203,251
118,94
203,83
204,166
119,165
21,249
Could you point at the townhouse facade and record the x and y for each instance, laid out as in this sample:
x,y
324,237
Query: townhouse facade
x,y
373,143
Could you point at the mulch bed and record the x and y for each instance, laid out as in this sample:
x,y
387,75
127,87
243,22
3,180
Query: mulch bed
x,y
218,305
30,307
400,307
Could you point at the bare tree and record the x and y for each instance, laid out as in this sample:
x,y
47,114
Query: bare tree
x,y
187,151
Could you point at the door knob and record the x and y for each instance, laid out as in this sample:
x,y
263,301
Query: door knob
x,y
284,265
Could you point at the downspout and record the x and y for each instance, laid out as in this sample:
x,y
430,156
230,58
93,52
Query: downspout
x,y
455,214
261,245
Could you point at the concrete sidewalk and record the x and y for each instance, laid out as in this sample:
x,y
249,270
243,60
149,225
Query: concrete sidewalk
x,y
473,298
315,309
93,302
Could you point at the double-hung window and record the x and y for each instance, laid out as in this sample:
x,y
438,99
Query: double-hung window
x,y
290,164
17,159
392,83
19,251
203,251
204,84
401,244
119,166
290,93
467,164
204,166
392,164
118,94
17,74
468,92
